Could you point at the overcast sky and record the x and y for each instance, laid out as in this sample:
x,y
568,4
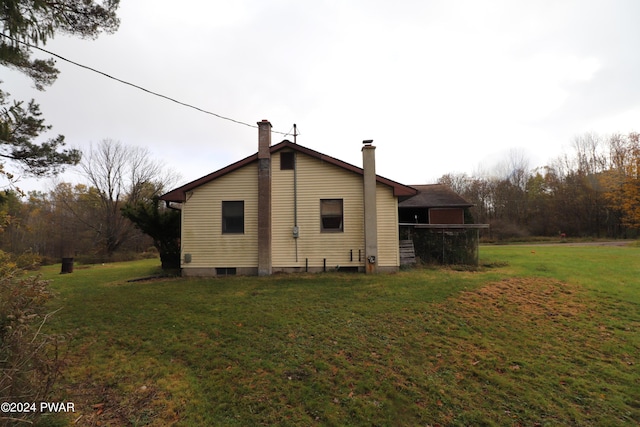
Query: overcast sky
x,y
440,86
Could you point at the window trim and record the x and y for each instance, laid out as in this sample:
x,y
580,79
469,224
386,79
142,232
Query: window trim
x,y
225,226
324,229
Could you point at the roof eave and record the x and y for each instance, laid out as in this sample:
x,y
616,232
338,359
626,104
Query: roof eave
x,y
399,190
178,195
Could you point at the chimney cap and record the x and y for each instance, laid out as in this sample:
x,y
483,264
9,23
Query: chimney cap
x,y
367,141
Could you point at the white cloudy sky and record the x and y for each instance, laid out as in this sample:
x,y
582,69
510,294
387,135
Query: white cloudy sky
x,y
440,86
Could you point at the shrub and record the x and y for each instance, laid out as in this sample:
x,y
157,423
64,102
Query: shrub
x,y
29,359
28,261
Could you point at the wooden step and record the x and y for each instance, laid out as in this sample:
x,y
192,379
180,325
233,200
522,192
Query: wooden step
x,y
407,252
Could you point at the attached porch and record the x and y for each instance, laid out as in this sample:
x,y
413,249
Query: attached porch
x,y
440,243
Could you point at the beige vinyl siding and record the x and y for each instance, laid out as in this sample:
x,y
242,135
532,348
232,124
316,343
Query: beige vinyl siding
x,y
388,238
318,180
202,235
282,219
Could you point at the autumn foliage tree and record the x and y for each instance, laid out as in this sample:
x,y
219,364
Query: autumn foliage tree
x,y
623,179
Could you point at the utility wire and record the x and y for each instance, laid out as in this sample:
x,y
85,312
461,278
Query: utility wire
x,y
184,104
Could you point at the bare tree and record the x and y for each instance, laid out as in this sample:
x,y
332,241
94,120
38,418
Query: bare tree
x,y
121,174
590,154
514,168
457,182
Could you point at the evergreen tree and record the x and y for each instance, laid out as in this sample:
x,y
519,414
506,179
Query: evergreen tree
x,y
27,24
162,225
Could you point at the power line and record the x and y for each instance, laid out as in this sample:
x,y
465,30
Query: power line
x,y
295,133
184,104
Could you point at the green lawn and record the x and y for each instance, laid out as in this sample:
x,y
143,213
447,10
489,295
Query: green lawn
x,y
549,337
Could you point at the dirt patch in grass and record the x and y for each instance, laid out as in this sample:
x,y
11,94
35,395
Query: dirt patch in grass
x,y
529,296
536,346
100,404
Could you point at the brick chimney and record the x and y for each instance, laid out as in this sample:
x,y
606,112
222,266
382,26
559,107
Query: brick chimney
x,y
264,198
370,208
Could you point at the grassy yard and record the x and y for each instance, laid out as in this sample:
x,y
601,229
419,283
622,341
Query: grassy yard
x,y
538,336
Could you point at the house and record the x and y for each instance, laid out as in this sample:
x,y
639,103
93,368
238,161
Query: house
x,y
288,208
433,204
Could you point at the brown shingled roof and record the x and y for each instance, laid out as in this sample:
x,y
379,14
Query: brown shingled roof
x,y
179,194
434,196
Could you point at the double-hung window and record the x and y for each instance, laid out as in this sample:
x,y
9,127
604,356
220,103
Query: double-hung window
x,y
233,217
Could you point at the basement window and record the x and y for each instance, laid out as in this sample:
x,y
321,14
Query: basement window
x,y
287,160
233,217
331,215
226,271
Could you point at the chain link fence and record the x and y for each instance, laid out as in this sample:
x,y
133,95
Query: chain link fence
x,y
448,244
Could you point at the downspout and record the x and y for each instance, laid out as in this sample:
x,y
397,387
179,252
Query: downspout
x,y
296,230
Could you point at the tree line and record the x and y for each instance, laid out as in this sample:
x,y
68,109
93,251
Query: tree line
x,y
592,191
113,214
116,208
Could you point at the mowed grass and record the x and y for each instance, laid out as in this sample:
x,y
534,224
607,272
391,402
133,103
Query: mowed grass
x,y
549,337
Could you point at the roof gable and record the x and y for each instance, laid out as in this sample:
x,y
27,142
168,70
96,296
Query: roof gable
x,y
179,194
